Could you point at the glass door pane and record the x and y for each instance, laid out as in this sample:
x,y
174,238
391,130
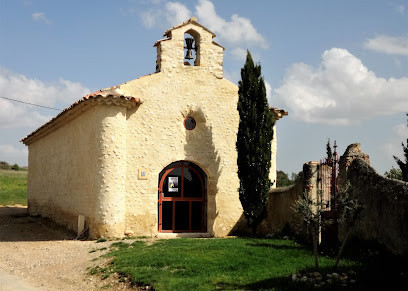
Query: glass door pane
x,y
182,215
196,215
167,215
192,183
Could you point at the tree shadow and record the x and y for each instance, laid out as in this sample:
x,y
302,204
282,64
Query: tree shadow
x,y
200,149
273,246
19,226
13,211
285,282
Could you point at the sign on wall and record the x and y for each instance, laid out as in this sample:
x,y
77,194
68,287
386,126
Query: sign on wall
x,y
173,184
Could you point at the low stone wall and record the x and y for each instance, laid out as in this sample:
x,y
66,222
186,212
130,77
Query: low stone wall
x,y
385,201
280,214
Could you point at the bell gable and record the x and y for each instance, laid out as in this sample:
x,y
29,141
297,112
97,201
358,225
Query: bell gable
x,y
189,46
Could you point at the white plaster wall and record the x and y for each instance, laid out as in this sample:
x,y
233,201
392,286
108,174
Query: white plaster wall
x,y
80,169
110,212
62,170
156,137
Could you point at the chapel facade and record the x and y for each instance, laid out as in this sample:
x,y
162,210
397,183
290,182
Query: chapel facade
x,y
152,156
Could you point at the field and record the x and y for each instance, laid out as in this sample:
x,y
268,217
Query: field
x,y
13,187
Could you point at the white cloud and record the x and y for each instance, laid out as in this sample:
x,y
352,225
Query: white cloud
x,y
340,91
13,115
12,154
268,88
149,19
388,44
40,17
173,13
239,30
19,87
239,54
176,13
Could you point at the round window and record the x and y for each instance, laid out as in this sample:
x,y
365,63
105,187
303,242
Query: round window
x,y
189,123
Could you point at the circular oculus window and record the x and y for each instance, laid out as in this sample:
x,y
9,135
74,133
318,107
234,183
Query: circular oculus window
x,y
189,123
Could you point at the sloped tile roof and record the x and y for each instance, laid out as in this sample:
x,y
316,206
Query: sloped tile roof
x,y
103,93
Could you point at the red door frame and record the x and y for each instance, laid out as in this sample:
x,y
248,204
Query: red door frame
x,y
202,199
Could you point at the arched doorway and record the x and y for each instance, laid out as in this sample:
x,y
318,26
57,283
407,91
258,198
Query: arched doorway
x,y
182,198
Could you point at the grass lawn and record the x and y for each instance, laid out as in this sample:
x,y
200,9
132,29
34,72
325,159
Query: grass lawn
x,y
209,264
13,187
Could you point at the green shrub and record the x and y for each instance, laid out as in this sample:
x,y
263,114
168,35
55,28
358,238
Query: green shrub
x,y
15,167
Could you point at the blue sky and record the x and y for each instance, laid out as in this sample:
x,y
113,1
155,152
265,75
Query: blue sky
x,y
340,68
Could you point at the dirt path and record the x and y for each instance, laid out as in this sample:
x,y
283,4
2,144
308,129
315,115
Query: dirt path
x,y
46,255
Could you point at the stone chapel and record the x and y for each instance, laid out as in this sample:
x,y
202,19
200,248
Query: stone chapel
x,y
152,156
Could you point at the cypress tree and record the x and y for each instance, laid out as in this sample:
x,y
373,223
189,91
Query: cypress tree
x,y
254,138
403,166
329,151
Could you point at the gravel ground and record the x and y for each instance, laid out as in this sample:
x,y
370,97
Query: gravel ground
x,y
47,256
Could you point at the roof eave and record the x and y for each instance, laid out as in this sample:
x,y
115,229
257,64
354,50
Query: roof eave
x,y
77,108
192,20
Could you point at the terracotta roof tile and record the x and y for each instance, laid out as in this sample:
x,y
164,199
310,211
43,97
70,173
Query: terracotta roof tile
x,y
108,92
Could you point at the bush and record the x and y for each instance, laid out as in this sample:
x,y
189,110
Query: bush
x,y
4,166
15,167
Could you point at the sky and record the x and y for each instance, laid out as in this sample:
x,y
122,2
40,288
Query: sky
x,y
340,68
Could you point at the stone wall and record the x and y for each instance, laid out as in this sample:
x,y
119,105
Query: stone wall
x,y
352,152
156,137
170,51
78,168
280,214
385,214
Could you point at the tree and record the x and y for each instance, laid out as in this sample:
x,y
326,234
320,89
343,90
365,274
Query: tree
x,y
329,151
403,166
309,210
283,180
394,174
15,167
4,165
253,145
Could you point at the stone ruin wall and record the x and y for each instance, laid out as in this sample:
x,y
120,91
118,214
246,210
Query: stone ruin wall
x,y
384,217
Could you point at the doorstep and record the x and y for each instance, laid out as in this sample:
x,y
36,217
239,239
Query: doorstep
x,y
183,234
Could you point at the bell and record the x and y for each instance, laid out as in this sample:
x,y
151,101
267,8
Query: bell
x,y
189,55
189,43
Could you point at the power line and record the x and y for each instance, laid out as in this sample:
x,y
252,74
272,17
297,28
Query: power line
x,y
30,103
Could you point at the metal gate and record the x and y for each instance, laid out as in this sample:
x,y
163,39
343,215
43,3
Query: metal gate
x,y
328,187
328,180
